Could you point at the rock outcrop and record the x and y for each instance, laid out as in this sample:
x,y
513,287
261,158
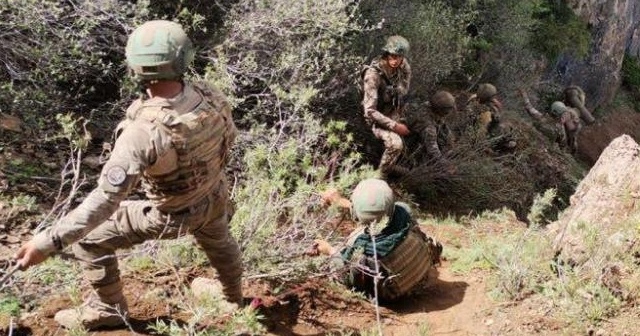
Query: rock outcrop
x,y
615,30
604,208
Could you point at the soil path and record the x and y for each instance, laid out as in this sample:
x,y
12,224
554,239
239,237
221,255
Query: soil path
x,y
451,305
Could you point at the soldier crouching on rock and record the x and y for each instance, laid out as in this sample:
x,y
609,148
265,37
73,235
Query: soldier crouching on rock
x,y
399,256
386,84
175,140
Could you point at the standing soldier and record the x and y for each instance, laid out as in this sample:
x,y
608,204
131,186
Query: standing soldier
x,y
386,84
485,111
567,120
176,140
575,97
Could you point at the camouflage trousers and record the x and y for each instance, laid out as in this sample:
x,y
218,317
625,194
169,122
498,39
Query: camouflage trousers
x,y
138,221
393,147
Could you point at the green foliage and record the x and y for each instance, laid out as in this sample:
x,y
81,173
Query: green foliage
x,y
435,30
54,272
521,262
21,203
538,214
184,252
631,72
502,43
9,306
61,56
70,130
277,202
560,31
280,56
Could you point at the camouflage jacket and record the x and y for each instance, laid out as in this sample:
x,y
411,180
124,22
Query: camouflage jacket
x,y
432,129
484,114
177,147
384,92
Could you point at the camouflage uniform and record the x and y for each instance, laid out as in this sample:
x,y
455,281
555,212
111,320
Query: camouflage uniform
x,y
485,114
575,97
178,149
405,254
429,123
567,125
384,94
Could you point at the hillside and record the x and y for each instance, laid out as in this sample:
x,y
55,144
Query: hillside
x,y
291,72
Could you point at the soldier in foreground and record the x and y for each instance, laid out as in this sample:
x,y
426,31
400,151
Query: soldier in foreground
x,y
403,254
567,122
176,140
386,84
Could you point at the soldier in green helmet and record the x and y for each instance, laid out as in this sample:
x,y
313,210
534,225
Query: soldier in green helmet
x,y
175,139
566,119
430,124
386,84
400,252
485,113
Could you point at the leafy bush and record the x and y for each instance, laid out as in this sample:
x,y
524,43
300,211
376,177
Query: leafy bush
x,y
502,43
435,30
61,56
280,62
559,30
631,72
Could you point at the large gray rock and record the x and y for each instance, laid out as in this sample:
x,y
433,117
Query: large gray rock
x,y
605,204
614,26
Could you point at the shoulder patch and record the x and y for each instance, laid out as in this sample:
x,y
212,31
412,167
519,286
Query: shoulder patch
x,y
116,175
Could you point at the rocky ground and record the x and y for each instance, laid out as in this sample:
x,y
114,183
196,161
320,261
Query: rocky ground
x,y
454,302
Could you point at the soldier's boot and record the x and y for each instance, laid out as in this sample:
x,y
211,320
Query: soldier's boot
x,y
209,289
394,172
107,309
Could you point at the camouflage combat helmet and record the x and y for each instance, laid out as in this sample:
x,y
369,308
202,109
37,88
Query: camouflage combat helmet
x,y
443,102
158,49
558,108
396,45
486,91
371,200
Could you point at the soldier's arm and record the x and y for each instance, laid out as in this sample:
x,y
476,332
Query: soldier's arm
x,y
370,100
528,107
405,80
430,141
132,152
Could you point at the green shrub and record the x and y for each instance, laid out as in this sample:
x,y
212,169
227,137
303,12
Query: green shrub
x,y
560,31
631,72
435,30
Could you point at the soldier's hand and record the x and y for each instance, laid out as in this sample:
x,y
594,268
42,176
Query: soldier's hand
x,y
323,247
401,129
497,103
28,255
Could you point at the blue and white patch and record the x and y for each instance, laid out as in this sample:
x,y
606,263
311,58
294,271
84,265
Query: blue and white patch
x,y
116,175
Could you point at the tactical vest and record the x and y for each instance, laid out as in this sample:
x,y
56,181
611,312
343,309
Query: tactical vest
x,y
385,98
405,256
201,137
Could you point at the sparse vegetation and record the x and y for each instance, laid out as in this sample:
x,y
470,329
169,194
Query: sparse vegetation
x,y
289,69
